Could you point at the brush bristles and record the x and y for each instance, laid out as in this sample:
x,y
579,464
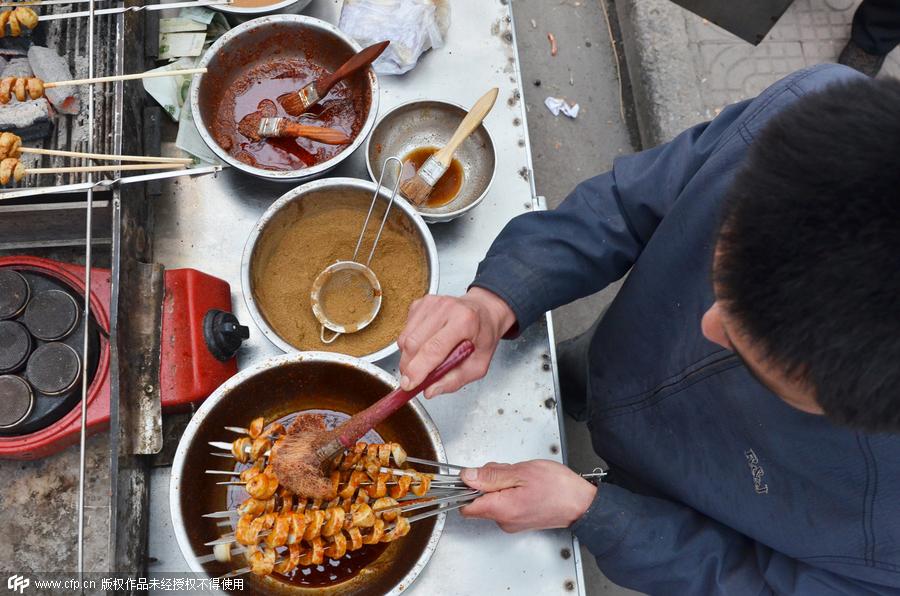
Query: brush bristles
x,y
293,104
416,189
296,463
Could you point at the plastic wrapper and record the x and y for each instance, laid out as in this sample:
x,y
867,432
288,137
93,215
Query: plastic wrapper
x,y
412,26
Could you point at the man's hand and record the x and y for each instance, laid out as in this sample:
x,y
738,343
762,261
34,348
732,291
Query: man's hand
x,y
436,324
534,495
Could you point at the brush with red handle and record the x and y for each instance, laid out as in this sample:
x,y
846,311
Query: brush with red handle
x,y
297,103
300,458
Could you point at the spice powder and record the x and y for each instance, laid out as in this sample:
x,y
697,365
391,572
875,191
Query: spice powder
x,y
310,234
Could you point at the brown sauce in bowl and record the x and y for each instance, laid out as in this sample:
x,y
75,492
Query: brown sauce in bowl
x,y
341,109
447,186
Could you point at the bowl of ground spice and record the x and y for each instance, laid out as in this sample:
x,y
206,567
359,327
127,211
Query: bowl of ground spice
x,y
316,225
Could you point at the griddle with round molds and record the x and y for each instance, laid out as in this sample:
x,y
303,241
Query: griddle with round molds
x,y
41,340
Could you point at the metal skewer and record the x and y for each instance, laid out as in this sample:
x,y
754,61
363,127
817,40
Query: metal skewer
x,y
442,485
87,302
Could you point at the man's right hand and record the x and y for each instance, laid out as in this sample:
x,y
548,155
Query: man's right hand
x,y
436,324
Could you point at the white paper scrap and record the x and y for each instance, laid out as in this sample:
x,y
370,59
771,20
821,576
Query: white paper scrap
x,y
559,104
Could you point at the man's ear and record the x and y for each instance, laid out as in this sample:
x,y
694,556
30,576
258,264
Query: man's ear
x,y
712,326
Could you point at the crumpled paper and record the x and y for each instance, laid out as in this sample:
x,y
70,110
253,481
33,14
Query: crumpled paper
x,y
172,94
412,26
558,105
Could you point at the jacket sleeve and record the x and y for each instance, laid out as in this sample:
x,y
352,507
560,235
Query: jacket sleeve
x,y
660,547
544,259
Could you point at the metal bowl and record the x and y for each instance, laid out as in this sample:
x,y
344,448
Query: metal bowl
x,y
260,40
240,14
274,388
423,123
348,186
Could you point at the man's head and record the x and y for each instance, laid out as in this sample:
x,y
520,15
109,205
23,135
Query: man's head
x,y
806,270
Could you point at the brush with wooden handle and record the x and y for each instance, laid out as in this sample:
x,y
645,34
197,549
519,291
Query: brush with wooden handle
x,y
418,187
300,458
297,103
264,124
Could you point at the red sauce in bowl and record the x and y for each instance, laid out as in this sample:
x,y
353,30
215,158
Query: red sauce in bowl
x,y
341,109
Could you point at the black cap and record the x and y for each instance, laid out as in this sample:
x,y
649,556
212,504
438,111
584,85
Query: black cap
x,y
14,293
15,346
16,400
51,315
53,369
223,333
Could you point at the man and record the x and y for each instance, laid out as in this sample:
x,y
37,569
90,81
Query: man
x,y
744,385
875,32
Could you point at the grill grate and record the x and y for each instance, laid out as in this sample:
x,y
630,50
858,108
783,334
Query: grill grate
x,y
69,37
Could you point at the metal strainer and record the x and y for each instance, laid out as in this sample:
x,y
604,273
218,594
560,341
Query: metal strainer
x,y
346,295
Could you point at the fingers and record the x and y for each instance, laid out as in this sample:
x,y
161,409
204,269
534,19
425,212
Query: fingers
x,y
490,506
471,370
436,347
492,477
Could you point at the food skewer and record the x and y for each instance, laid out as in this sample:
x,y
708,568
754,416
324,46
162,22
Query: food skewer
x,y
418,187
397,472
453,499
299,457
106,183
139,8
12,169
264,124
41,3
24,88
20,16
11,146
297,103
415,460
410,520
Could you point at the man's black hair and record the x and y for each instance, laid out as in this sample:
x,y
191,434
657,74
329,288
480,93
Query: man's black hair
x,y
808,257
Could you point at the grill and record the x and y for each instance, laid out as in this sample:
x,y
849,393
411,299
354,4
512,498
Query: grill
x,y
69,37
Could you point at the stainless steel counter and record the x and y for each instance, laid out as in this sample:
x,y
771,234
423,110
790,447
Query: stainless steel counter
x,y
512,414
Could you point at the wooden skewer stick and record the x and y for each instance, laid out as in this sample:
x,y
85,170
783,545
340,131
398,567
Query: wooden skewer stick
x,y
107,157
119,9
77,169
128,77
39,3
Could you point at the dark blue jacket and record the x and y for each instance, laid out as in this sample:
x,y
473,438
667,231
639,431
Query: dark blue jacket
x,y
742,493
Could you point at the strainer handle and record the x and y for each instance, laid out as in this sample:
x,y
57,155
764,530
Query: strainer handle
x,y
336,335
387,209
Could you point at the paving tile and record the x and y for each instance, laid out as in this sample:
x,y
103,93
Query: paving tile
x,y
810,32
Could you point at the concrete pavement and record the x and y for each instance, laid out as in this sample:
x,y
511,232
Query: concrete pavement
x,y
686,69
567,151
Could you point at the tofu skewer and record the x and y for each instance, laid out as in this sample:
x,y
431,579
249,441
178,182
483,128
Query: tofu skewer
x,y
24,88
21,17
11,169
11,146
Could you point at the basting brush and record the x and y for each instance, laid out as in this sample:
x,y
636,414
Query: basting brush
x,y
418,187
300,458
263,124
297,103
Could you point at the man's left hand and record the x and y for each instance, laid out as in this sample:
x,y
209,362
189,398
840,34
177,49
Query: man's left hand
x,y
532,495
